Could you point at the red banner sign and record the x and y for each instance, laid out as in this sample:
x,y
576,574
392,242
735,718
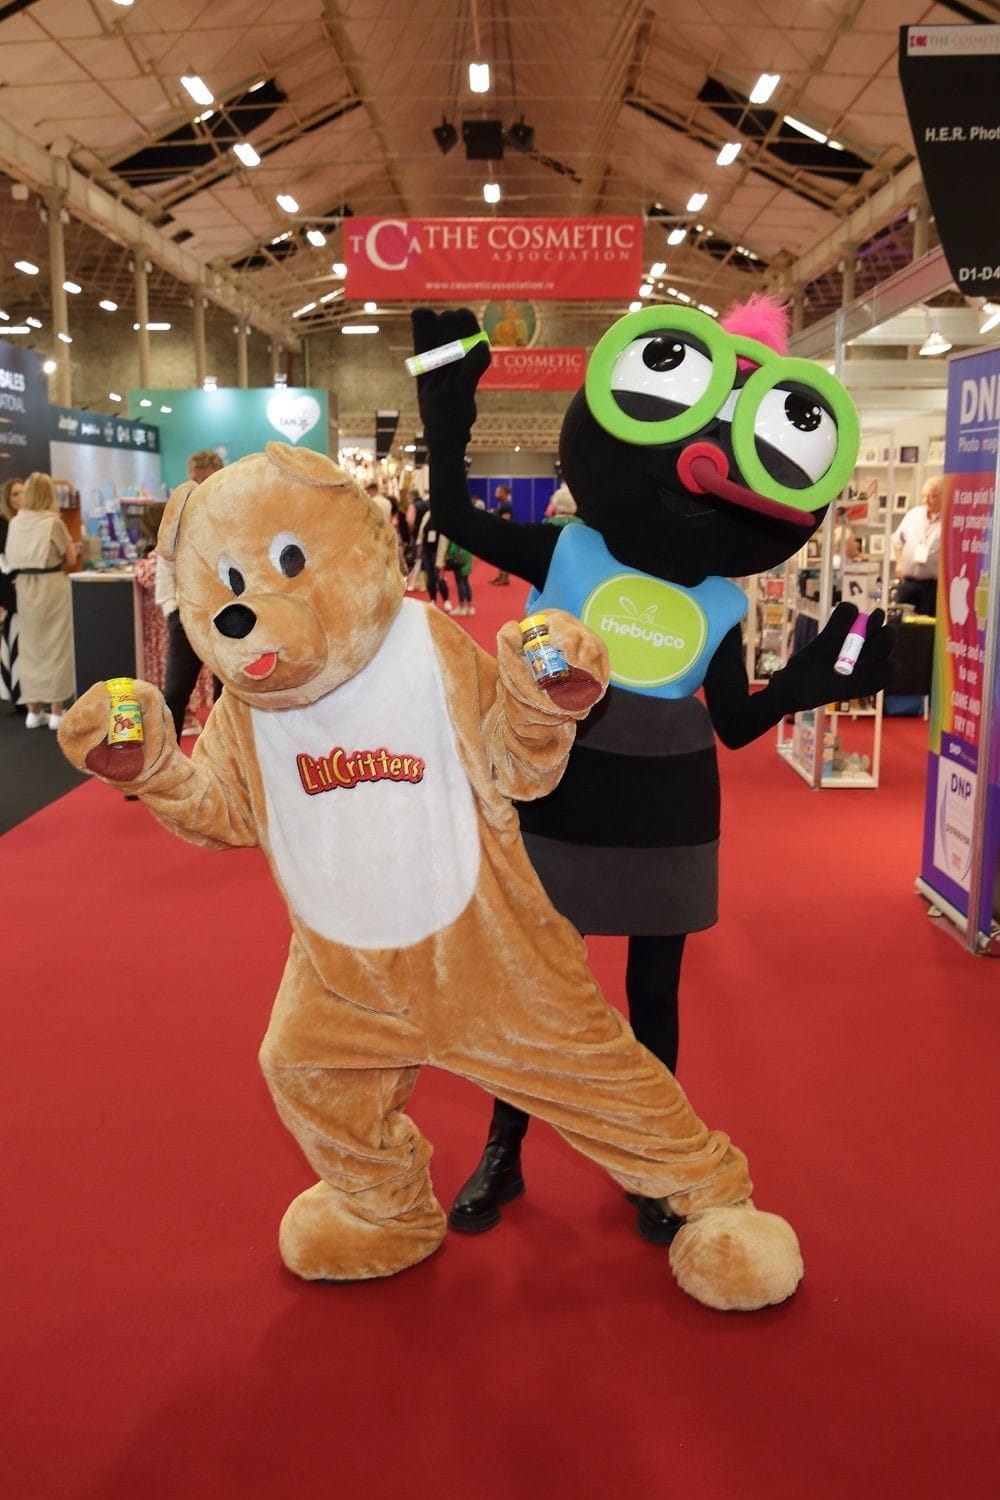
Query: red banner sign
x,y
448,260
535,370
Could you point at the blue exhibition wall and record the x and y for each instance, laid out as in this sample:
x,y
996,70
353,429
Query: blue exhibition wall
x,y
231,421
529,496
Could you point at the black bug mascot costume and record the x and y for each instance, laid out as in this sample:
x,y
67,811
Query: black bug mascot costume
x,y
696,453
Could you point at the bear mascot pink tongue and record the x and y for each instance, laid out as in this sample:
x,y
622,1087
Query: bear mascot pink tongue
x,y
372,751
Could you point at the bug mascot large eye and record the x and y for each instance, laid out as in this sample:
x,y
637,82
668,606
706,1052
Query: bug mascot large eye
x,y
795,433
658,376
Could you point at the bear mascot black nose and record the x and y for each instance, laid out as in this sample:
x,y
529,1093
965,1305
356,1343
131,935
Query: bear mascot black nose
x,y
235,621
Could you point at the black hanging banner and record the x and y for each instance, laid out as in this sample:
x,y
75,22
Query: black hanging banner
x,y
24,412
386,423
950,77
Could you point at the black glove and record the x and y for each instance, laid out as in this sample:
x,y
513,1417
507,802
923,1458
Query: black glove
x,y
808,678
447,396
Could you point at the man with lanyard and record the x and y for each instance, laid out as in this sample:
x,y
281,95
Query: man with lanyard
x,y
916,549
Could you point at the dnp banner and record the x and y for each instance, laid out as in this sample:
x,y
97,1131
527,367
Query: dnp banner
x,y
441,260
962,818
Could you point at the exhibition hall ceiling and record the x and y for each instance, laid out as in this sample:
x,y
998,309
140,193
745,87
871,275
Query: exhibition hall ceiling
x,y
597,108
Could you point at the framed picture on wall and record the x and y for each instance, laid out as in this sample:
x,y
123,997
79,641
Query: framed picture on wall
x,y
876,544
902,500
883,501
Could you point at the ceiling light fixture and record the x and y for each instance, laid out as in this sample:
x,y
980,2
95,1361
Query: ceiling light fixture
x,y
479,78
676,236
521,136
27,266
446,136
729,153
370,307
114,396
934,343
696,202
157,327
205,115
12,328
657,269
166,410
331,296
210,383
803,129
145,401
4,316
491,192
764,87
33,322
287,202
246,154
50,367
198,89
713,312
108,305
339,269
316,237
360,328
301,311
635,307
991,318
646,290
72,286
65,338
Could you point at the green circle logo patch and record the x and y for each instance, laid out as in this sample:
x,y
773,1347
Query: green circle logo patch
x,y
653,632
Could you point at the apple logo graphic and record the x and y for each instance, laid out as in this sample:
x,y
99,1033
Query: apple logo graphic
x,y
958,598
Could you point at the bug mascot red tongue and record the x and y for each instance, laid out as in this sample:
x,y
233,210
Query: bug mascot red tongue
x,y
696,453
362,737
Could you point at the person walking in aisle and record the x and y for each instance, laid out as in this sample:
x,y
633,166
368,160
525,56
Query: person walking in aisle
x,y
916,551
432,549
39,553
458,561
504,509
183,666
10,502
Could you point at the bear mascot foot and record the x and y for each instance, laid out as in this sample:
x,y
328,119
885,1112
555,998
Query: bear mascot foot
x,y
736,1259
323,1237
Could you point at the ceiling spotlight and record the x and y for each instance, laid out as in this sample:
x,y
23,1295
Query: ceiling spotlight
x,y
331,296
4,316
287,202
72,286
50,367
635,307
198,89
246,153
764,87
316,237
446,136
65,338
696,201
114,396
166,410
27,266
521,136
370,307
108,305
157,327
991,316
33,322
646,290
300,312
210,383
339,269
803,129
491,192
479,78
677,236
145,401
935,343
657,269
359,328
729,153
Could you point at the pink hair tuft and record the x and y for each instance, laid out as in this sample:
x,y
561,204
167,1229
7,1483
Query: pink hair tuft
x,y
762,318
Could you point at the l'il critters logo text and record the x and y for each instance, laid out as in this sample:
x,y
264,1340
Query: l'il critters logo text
x,y
633,622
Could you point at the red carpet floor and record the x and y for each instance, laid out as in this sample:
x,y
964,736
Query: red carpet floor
x,y
154,1348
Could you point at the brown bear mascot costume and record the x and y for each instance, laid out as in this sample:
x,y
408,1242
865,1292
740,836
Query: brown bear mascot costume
x,y
362,735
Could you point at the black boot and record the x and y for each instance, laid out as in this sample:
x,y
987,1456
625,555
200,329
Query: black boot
x,y
654,1221
497,1179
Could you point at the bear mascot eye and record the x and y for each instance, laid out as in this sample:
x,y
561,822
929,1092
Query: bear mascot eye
x,y
230,575
287,554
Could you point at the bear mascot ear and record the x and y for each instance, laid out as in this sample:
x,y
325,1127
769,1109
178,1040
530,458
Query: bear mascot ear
x,y
170,522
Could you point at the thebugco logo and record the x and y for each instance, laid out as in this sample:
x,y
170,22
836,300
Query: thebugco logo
x,y
654,632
